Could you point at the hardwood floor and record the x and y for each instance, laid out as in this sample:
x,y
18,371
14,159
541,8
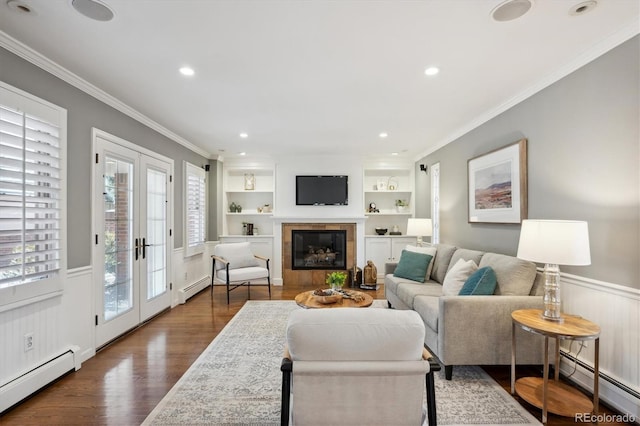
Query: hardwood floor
x,y
125,381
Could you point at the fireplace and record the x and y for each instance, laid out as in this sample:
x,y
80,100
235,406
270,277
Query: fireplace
x,y
318,249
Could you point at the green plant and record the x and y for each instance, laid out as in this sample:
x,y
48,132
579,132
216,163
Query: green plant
x,y
402,203
336,279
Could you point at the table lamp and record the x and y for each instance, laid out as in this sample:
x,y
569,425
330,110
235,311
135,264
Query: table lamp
x,y
554,242
419,228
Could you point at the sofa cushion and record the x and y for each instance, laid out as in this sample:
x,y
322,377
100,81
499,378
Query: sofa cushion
x,y
431,251
514,276
465,254
428,308
407,291
457,276
480,283
441,261
413,265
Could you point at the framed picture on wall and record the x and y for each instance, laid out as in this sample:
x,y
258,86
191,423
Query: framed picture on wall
x,y
497,185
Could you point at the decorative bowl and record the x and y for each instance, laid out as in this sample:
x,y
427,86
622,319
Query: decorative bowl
x,y
381,231
326,297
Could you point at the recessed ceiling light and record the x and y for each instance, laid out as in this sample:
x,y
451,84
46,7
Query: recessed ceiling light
x,y
582,8
93,9
394,153
243,153
432,71
19,6
244,135
383,135
510,10
188,71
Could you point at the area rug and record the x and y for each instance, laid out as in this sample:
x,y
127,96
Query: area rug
x,y
237,380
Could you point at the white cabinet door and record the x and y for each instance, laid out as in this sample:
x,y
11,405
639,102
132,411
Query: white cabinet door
x,y
398,244
378,250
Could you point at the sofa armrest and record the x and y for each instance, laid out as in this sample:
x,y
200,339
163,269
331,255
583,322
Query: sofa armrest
x,y
390,268
477,330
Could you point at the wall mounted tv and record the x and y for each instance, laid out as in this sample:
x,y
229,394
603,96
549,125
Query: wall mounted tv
x,y
322,190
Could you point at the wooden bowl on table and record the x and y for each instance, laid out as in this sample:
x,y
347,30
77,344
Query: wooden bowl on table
x,y
326,297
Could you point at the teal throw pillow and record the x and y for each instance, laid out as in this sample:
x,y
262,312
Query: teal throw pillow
x,y
412,265
482,282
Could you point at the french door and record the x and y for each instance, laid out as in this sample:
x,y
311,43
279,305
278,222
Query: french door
x,y
132,250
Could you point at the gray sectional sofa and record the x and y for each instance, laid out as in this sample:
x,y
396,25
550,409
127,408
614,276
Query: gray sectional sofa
x,y
472,330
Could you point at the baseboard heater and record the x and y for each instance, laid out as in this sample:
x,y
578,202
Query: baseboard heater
x,y
192,289
23,386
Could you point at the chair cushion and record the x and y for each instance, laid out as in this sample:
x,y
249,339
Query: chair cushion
x,y
355,334
243,274
432,250
413,265
481,282
457,276
238,255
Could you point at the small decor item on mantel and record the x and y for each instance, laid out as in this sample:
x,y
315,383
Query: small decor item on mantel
x,y
381,185
249,182
336,279
233,208
392,184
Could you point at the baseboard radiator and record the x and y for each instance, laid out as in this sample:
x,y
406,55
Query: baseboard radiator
x,y
21,387
185,293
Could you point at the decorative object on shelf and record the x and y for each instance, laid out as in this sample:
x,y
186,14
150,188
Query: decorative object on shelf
x,y
395,230
402,206
356,276
370,273
238,208
381,185
233,208
336,279
381,231
498,185
267,208
554,242
249,228
418,227
392,184
249,182
373,208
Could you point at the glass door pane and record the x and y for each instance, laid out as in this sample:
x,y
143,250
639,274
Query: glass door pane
x,y
156,252
118,237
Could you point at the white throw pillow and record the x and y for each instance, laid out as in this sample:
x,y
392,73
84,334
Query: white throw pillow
x,y
431,251
457,276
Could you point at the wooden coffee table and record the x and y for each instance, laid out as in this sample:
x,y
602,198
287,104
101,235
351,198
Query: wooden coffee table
x,y
306,300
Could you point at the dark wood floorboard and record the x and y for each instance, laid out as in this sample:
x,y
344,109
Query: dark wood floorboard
x,y
124,382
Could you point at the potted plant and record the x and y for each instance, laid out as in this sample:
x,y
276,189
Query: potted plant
x,y
402,206
336,279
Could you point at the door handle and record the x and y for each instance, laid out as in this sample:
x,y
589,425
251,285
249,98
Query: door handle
x,y
136,243
144,248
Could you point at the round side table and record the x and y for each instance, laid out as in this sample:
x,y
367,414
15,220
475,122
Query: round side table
x,y
554,396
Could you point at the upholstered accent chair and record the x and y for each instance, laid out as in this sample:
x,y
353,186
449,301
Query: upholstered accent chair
x,y
356,366
234,265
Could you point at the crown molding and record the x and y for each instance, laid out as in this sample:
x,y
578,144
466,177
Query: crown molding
x,y
39,60
594,52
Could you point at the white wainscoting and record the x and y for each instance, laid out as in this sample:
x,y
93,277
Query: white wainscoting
x,y
616,309
188,270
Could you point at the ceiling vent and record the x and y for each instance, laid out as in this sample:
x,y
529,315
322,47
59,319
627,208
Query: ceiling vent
x,y
93,9
582,8
19,6
511,9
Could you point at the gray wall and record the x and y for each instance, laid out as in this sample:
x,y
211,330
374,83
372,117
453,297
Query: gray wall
x,y
583,162
83,113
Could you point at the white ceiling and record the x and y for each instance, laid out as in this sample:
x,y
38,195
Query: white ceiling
x,y
319,77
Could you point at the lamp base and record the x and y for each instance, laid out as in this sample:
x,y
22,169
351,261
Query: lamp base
x,y
559,320
551,299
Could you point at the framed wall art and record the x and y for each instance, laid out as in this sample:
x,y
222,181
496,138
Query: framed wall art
x,y
497,185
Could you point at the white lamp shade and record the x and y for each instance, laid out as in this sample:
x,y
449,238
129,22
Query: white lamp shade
x,y
419,227
560,242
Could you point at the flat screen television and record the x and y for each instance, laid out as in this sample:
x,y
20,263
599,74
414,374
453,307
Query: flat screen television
x,y
322,190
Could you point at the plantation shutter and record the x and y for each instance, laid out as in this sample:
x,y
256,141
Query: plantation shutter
x,y
195,209
30,195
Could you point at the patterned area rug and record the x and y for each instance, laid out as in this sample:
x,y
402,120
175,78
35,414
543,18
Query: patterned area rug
x,y
237,380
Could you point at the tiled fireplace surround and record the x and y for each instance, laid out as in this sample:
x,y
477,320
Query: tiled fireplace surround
x,y
314,277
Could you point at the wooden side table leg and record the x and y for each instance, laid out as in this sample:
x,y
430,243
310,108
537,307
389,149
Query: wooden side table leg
x,y
596,377
513,358
545,380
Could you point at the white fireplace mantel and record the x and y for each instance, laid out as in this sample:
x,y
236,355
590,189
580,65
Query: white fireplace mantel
x,y
278,220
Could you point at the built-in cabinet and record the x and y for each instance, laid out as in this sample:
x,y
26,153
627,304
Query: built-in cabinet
x,y
391,189
385,249
248,198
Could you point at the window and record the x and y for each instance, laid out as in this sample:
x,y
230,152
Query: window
x,y
195,209
32,194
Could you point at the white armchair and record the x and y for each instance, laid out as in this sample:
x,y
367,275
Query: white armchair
x,y
356,366
234,265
